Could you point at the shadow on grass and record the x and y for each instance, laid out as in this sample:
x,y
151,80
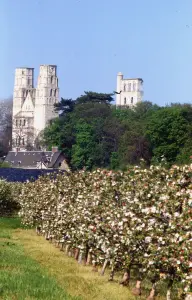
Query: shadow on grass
x,y
10,223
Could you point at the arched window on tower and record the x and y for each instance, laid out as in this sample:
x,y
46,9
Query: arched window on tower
x,y
125,102
16,123
51,79
28,81
124,87
55,93
50,92
20,123
23,141
131,100
24,122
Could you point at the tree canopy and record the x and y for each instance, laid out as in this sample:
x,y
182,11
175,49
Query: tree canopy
x,y
93,133
67,105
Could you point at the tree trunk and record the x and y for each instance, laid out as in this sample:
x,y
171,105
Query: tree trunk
x,y
104,267
137,289
67,249
38,230
76,253
89,258
47,236
62,246
95,268
85,256
152,293
58,244
126,278
168,297
112,273
70,253
80,257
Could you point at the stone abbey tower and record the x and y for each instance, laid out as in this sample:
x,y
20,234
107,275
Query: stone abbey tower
x,y
33,108
129,91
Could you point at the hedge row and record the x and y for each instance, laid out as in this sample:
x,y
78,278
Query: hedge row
x,y
139,219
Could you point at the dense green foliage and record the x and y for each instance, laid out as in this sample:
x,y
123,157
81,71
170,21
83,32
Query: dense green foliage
x,y
8,198
93,133
170,133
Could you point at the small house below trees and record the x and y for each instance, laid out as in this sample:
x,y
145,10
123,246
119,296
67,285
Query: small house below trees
x,y
37,159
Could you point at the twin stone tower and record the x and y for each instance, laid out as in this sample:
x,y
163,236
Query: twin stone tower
x,y
33,108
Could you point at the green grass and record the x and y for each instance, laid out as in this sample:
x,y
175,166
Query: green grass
x,y
21,277
33,268
10,223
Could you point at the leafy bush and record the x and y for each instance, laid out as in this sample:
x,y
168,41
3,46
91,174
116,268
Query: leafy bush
x,y
8,195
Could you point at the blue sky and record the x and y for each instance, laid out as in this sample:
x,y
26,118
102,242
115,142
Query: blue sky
x,y
92,40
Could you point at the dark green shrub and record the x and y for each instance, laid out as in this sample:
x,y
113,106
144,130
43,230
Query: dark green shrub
x,y
8,201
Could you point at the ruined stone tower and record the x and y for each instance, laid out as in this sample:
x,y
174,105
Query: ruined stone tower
x,y
130,91
33,108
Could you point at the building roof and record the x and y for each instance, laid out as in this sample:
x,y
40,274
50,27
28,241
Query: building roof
x,y
26,159
54,159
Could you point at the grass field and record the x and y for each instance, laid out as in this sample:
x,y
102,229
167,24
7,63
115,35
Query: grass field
x,y
32,268
21,276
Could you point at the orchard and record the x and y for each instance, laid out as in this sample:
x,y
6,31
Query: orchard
x,y
138,220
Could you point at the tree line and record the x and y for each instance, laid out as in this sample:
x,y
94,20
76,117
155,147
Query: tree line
x,y
93,133
136,222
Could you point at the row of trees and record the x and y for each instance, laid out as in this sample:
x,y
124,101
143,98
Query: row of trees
x,y
94,133
138,221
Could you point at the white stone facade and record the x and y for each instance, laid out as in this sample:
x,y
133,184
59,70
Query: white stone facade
x,y
130,91
33,108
